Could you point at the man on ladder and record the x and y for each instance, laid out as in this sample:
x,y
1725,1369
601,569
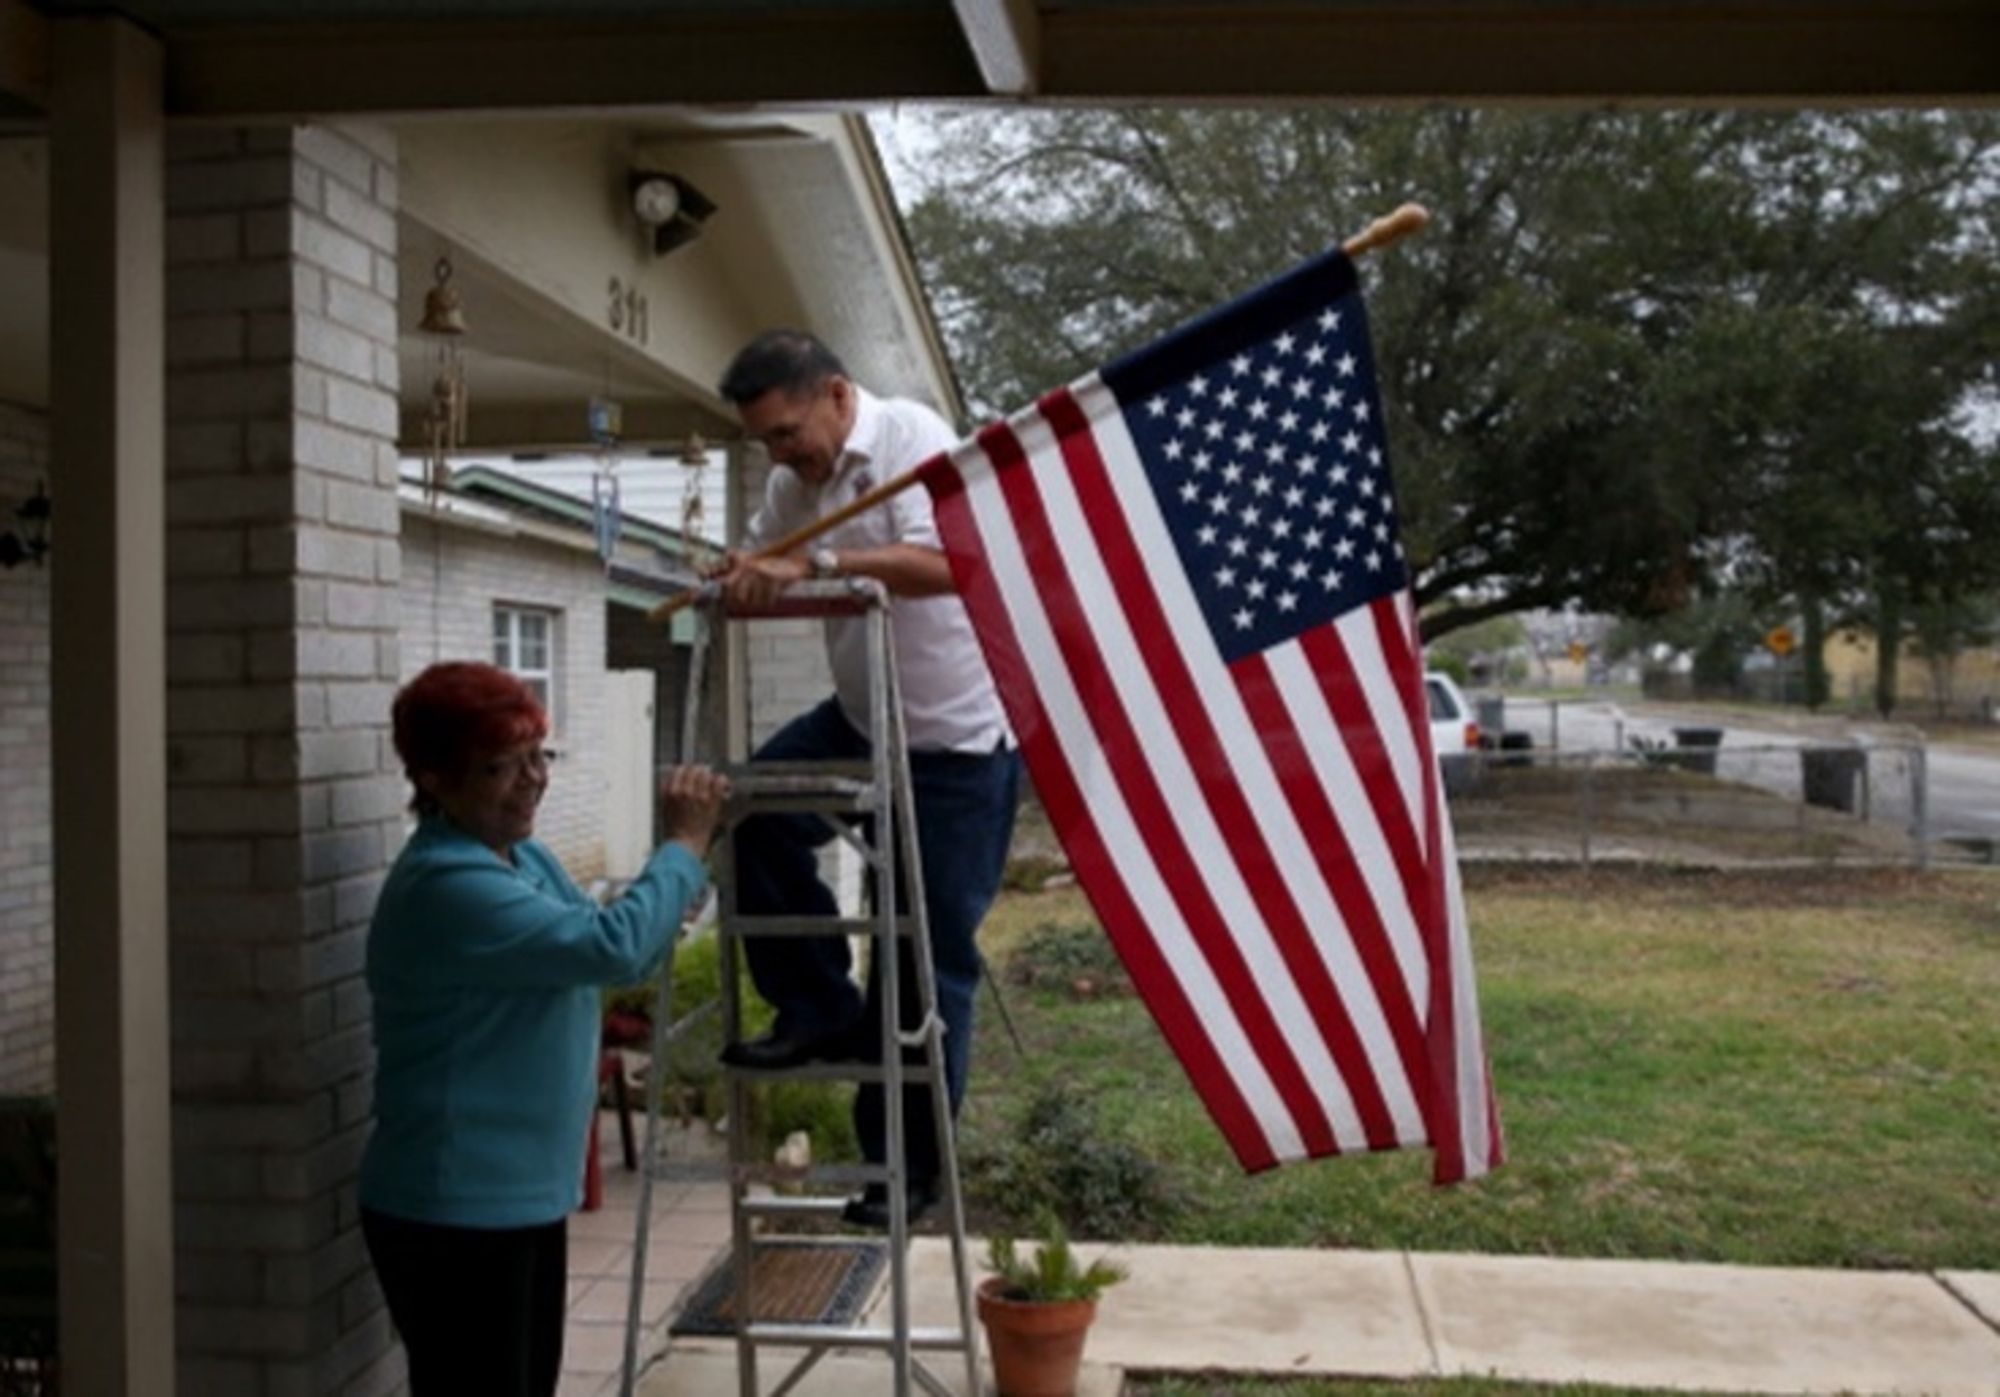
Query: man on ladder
x,y
830,441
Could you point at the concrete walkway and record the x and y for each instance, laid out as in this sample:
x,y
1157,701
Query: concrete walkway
x,y
1408,1315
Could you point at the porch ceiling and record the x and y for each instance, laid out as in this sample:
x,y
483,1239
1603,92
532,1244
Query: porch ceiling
x,y
257,57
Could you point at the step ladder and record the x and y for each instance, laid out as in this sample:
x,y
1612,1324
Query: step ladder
x,y
845,793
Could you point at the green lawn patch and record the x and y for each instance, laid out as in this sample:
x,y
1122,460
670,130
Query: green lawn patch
x,y
1793,1068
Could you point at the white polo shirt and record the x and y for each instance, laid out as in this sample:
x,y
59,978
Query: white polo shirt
x,y
948,699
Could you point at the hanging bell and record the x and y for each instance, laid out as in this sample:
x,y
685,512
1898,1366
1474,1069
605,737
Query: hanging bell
x,y
442,315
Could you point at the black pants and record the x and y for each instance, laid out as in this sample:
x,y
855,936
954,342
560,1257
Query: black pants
x,y
480,1310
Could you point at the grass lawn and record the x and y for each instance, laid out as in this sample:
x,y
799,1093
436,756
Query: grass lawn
x,y
1797,1068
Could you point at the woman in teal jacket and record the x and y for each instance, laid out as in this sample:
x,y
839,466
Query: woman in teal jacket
x,y
484,963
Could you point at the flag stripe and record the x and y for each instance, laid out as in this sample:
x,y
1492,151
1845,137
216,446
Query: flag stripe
x,y
1337,863
1395,626
1113,863
1185,697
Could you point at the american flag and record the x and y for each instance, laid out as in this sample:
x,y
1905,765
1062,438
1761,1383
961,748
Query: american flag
x,y
1186,573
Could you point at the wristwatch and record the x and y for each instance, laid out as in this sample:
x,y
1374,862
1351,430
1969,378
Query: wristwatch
x,y
825,563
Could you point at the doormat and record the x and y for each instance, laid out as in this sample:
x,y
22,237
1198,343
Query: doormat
x,y
792,1281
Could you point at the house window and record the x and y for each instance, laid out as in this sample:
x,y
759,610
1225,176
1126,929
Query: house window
x,y
524,646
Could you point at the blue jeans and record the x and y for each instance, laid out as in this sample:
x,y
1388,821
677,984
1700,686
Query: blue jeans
x,y
965,805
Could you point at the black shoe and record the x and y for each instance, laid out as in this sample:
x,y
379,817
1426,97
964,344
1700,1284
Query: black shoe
x,y
779,1049
870,1207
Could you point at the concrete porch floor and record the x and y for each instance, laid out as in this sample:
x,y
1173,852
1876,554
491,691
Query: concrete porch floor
x,y
1692,1327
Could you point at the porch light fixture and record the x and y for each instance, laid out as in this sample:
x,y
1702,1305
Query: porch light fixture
x,y
31,543
668,205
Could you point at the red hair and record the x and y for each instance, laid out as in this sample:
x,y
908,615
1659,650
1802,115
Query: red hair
x,y
457,710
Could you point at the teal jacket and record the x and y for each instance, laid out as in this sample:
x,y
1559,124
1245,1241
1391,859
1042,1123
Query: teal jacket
x,y
485,979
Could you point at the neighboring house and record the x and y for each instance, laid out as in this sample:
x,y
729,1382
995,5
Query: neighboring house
x,y
507,569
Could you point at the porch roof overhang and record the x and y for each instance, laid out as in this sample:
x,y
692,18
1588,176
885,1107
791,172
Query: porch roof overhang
x,y
245,58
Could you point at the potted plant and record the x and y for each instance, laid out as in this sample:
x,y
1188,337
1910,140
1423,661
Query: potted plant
x,y
1037,1312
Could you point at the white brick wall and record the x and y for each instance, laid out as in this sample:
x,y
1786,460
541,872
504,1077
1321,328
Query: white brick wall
x,y
452,579
284,803
27,957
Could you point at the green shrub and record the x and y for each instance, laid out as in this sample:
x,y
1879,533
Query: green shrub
x,y
1056,1163
1063,956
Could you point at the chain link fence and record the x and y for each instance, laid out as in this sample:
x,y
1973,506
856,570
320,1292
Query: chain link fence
x,y
1585,783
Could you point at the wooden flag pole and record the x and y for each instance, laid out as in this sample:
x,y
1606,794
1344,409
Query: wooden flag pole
x,y
1391,227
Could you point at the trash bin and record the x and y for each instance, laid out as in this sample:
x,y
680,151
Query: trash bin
x,y
1491,714
1831,776
1700,745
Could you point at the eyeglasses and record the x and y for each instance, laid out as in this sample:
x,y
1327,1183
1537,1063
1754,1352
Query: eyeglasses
x,y
513,767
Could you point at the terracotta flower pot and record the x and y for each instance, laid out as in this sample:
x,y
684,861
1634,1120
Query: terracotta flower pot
x,y
1037,1345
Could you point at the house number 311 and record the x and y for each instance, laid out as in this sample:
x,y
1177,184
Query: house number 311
x,y
626,311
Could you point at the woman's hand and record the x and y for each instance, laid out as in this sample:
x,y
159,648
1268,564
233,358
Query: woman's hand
x,y
690,804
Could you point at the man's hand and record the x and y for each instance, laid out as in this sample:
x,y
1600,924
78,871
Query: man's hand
x,y
690,805
756,582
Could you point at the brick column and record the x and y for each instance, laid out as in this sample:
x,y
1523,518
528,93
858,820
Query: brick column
x,y
285,806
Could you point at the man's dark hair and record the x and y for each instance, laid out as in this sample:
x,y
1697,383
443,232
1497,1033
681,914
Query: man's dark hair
x,y
790,360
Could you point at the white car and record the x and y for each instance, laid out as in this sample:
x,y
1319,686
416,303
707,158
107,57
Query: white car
x,y
1454,731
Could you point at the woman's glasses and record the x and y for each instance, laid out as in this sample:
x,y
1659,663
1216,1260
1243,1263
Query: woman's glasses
x,y
515,765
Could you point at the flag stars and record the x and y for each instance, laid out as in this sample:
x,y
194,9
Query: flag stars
x,y
1255,589
1202,461
1184,419
1156,406
1232,473
1267,559
1271,376
1227,398
1285,343
1351,442
1288,601
1212,430
1190,493
1295,496
1345,365
1288,421
1329,320
1259,410
1263,485
1242,619
1330,579
1240,365
1173,449
1239,547
1356,517
1302,387
1198,385
1225,576
1373,560
1218,503
1275,453
1320,431
1344,548
1362,411
1245,440
1206,535
1316,354
1250,515
1314,538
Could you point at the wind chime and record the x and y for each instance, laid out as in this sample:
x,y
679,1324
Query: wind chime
x,y
694,457
606,422
444,418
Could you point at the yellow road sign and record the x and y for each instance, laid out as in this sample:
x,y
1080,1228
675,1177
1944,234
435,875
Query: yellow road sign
x,y
1780,641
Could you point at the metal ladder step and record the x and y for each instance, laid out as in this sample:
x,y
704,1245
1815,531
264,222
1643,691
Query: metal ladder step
x,y
847,1336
